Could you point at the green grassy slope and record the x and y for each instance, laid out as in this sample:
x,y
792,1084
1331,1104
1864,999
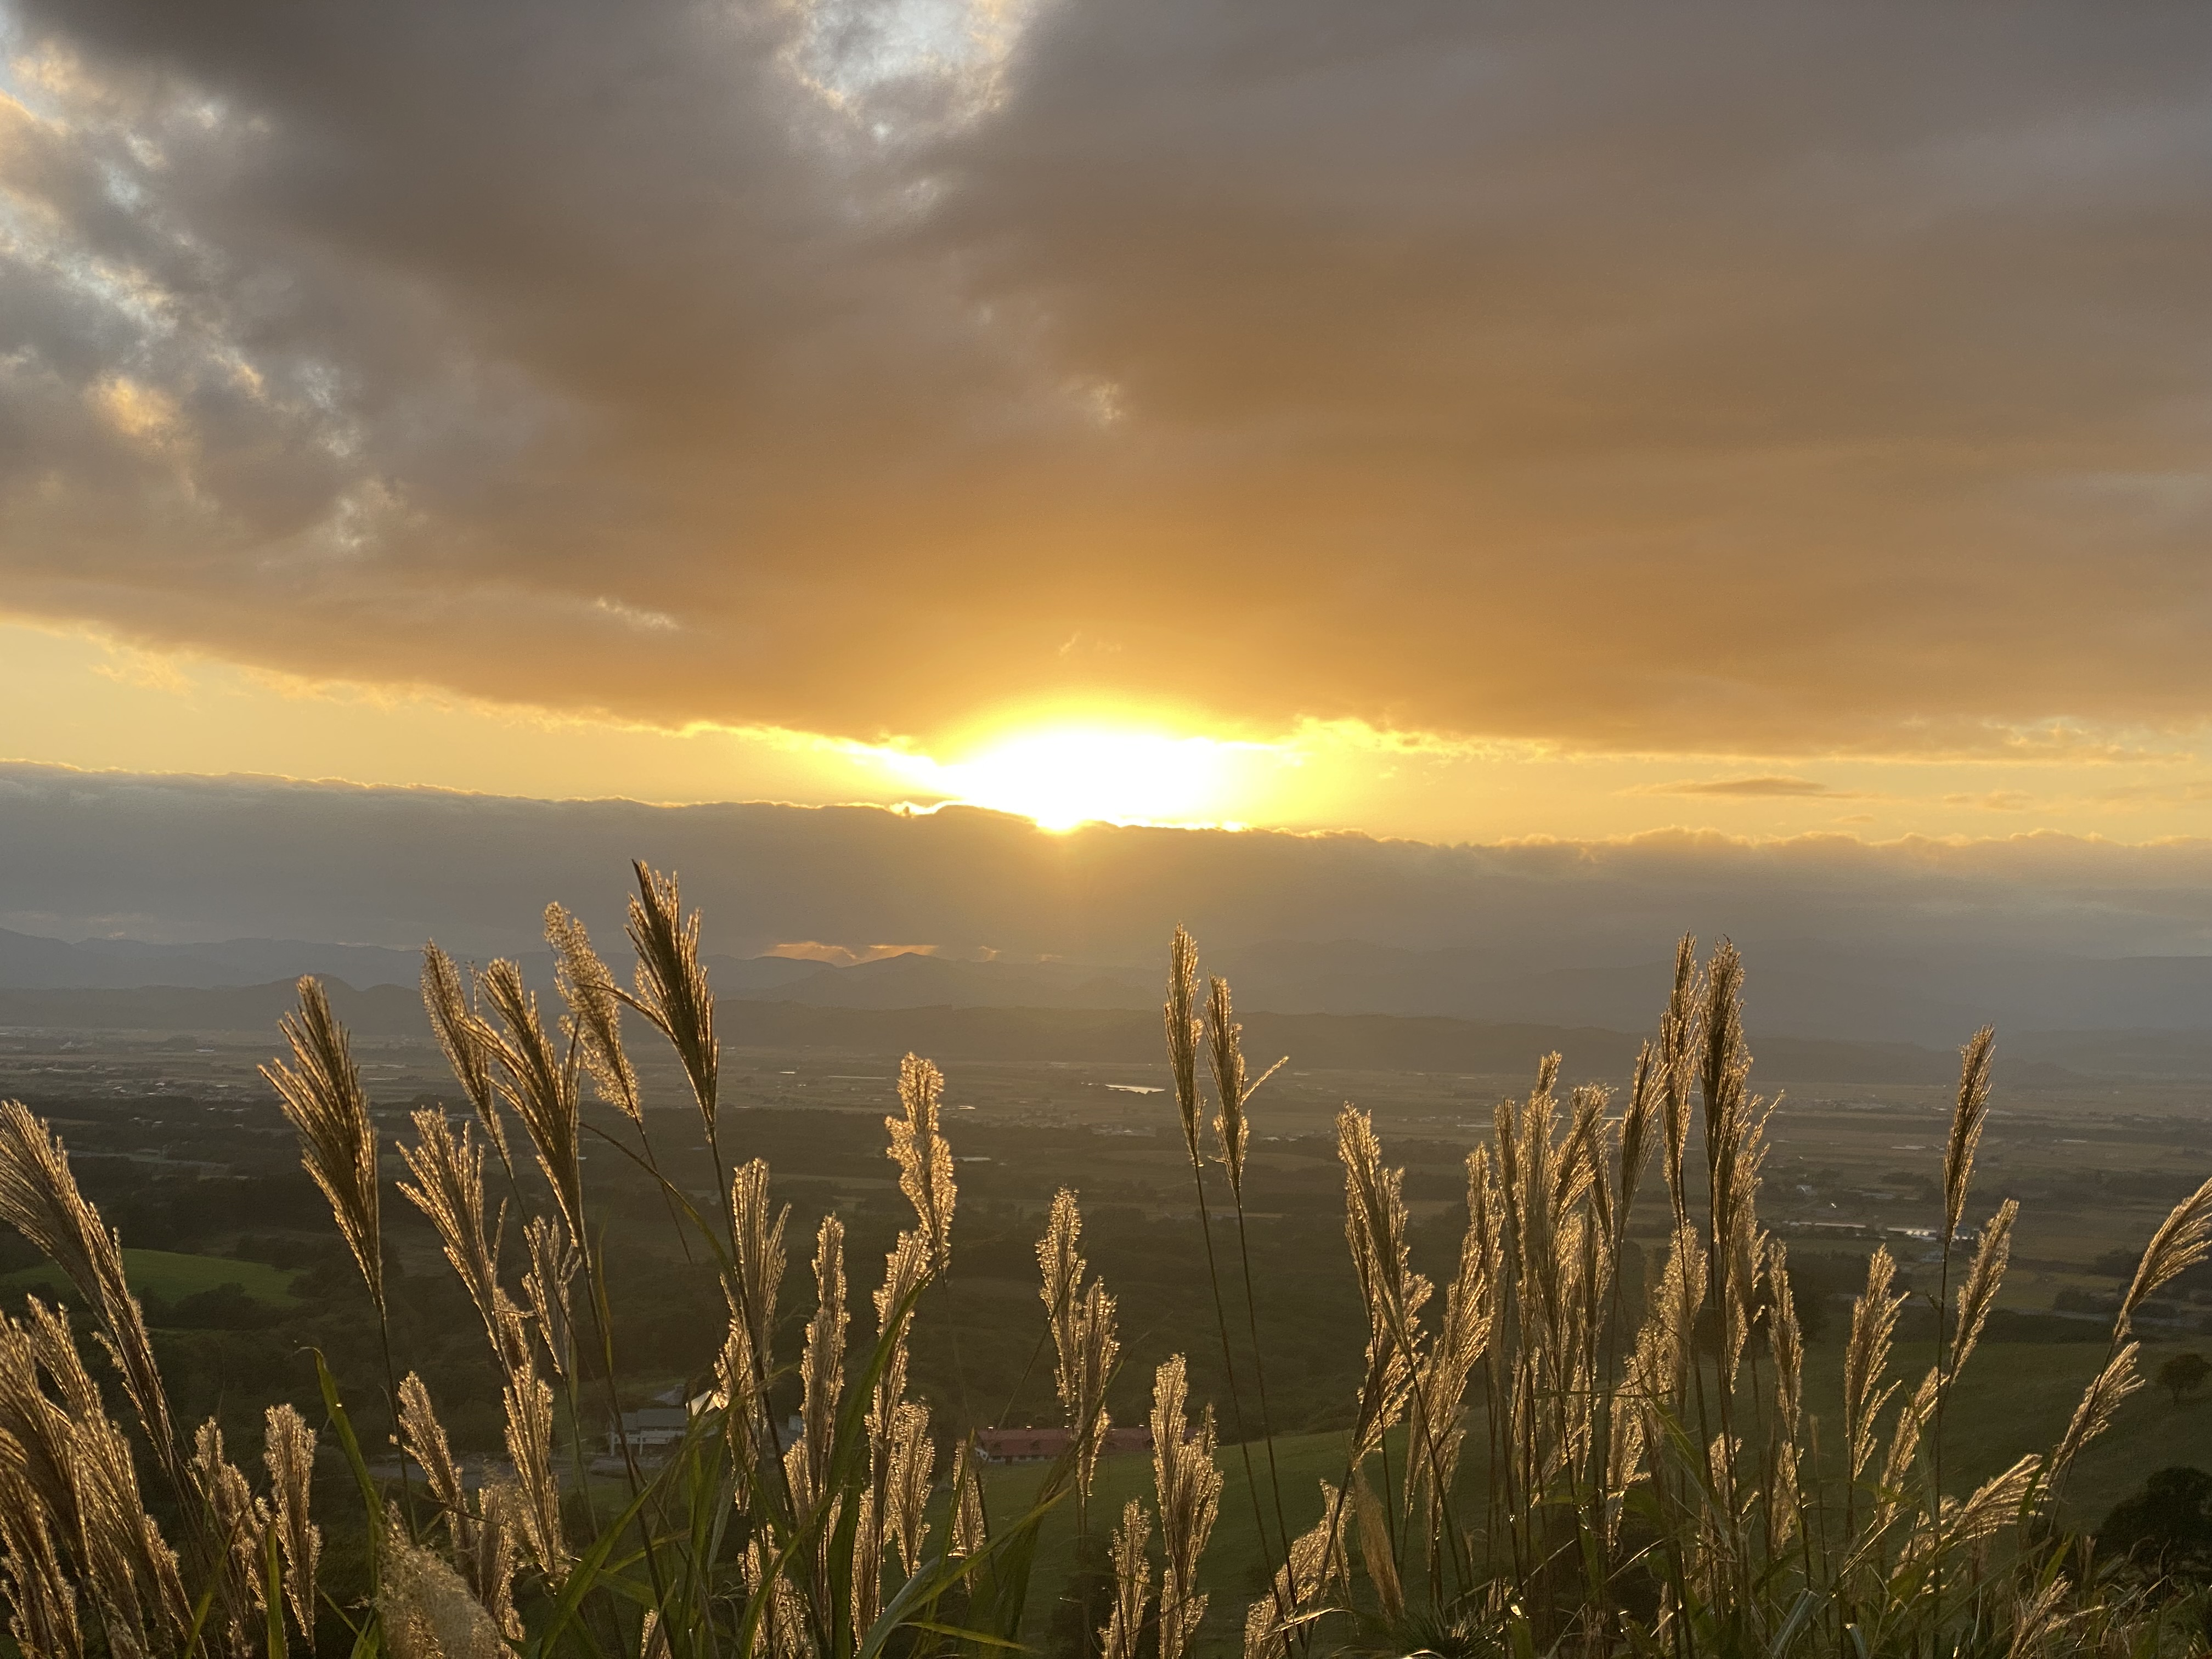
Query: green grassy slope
x,y
172,1277
2011,1398
1232,1575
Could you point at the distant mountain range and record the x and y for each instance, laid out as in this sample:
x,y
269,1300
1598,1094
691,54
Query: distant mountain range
x,y
2130,1013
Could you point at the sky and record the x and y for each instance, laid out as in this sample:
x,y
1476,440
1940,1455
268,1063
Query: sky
x,y
1468,423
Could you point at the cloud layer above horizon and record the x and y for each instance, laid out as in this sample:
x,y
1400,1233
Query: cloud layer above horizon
x,y
1710,379
174,859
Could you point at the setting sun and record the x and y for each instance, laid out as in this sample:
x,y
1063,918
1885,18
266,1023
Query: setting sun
x,y
1068,775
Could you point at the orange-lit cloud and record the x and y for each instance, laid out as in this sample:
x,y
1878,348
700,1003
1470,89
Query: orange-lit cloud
x,y
1706,380
1752,788
843,956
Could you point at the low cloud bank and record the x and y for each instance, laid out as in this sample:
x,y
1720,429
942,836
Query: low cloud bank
x,y
166,858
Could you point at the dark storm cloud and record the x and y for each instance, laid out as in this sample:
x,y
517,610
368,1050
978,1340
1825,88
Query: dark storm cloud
x,y
1715,376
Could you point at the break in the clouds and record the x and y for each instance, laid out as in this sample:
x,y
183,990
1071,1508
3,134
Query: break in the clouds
x,y
1734,378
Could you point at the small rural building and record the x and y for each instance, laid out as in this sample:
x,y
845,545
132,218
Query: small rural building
x,y
656,1428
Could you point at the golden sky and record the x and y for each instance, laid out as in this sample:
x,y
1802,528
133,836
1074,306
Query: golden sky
x,y
97,706
1451,423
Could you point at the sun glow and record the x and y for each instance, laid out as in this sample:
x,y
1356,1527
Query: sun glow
x,y
1068,775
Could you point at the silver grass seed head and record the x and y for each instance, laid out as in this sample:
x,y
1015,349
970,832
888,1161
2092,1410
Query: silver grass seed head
x,y
1377,1548
1581,1176
529,1438
454,1022
1060,1272
448,1189
42,1600
1485,1218
1184,1032
1098,1351
237,1520
914,1460
1678,1056
1967,1116
783,1628
738,1395
423,1437
918,1146
55,1347
1787,1339
34,1431
1984,1277
1866,1356
969,1533
426,1610
1316,1561
1391,1293
1996,1501
2036,1616
1636,1142
1912,1420
289,1449
1625,1446
1225,1048
1132,1573
1233,1087
2094,1415
593,1022
671,988
1189,1487
131,1570
40,1199
1537,1259
1684,1286
1724,1063
822,1366
2182,1241
758,1269
554,1262
906,1268
539,1085
320,1092
1375,1226
1547,1078
870,1533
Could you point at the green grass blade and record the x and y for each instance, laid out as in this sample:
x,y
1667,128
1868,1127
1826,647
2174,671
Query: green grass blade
x,y
272,1596
968,1635
1793,1626
589,1568
372,1507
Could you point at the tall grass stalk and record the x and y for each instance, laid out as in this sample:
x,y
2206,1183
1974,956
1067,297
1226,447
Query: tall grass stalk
x,y
320,1090
1654,1482
1233,1090
1186,1036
